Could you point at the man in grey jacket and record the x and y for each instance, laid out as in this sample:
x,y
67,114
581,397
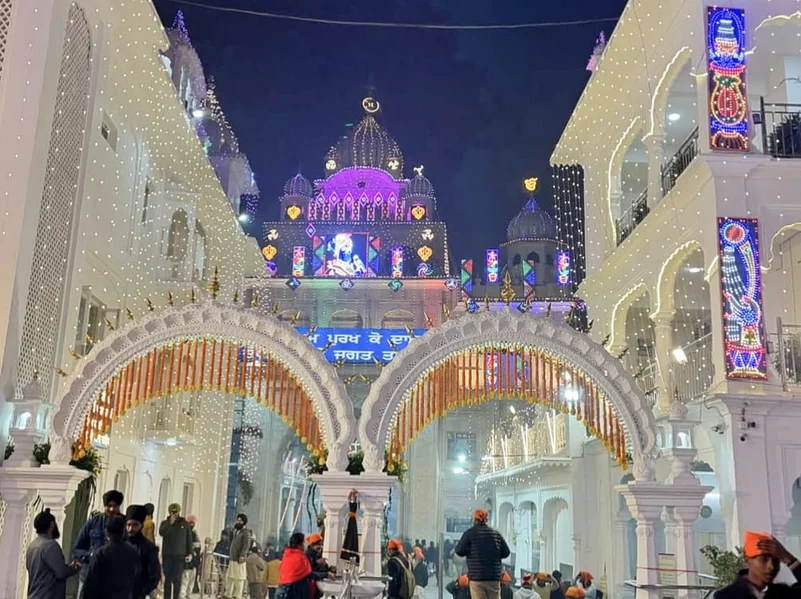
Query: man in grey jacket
x,y
44,560
236,577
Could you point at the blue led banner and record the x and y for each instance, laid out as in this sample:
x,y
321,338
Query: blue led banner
x,y
357,346
741,294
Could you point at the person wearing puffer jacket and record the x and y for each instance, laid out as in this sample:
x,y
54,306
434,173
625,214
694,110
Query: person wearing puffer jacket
x,y
484,547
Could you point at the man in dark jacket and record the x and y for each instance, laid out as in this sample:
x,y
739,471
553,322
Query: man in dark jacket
x,y
396,567
149,567
44,560
176,550
92,535
484,548
763,556
114,568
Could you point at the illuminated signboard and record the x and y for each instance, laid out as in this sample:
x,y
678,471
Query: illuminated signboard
x,y
728,101
355,346
493,267
741,294
298,261
396,259
563,267
466,278
346,255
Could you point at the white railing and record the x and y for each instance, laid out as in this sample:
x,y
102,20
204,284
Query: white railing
x,y
648,380
170,415
691,379
786,356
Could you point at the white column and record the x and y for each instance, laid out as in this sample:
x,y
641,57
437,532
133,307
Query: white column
x,y
620,557
12,544
670,530
685,548
656,158
663,335
645,500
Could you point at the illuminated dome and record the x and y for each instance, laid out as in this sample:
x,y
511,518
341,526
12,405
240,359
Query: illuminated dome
x,y
530,223
368,144
298,186
420,185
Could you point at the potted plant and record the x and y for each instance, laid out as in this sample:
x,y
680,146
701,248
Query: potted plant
x,y
726,565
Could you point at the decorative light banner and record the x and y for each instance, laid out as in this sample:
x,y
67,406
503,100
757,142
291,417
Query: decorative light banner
x,y
493,267
396,259
529,277
298,261
563,264
728,101
741,294
466,276
360,346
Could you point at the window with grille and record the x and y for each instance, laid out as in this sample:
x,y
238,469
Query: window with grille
x,y
5,27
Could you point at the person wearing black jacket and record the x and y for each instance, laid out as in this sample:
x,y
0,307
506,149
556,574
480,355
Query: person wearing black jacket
x,y
395,568
763,556
176,550
484,548
114,568
149,574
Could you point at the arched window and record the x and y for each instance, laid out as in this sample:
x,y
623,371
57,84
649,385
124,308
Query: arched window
x,y
534,258
178,238
517,260
346,319
199,268
165,488
397,319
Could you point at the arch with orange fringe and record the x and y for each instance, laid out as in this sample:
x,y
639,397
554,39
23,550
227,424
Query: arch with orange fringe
x,y
210,347
499,356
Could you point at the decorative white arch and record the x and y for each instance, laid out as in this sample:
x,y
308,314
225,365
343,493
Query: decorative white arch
x,y
613,183
665,302
619,313
318,377
507,326
660,96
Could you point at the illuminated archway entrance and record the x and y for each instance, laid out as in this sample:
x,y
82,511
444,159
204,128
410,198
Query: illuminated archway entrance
x,y
507,355
207,346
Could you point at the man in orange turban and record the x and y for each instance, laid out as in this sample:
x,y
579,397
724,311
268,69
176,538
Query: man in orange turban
x,y
397,569
484,547
319,565
459,588
584,582
545,585
763,557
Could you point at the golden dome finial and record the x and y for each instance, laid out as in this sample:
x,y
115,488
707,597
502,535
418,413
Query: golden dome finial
x,y
531,184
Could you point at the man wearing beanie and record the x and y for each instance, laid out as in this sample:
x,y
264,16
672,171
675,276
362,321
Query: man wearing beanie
x,y
237,575
764,556
149,574
92,535
113,569
484,548
176,550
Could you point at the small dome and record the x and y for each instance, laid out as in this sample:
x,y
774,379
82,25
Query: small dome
x,y
421,186
531,222
298,186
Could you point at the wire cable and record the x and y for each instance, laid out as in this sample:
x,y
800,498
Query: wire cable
x,y
271,15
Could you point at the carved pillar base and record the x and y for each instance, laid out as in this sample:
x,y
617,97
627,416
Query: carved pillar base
x,y
645,501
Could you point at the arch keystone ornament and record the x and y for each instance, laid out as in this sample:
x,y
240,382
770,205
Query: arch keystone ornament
x,y
210,346
507,355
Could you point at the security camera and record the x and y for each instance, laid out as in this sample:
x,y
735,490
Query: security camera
x,y
743,437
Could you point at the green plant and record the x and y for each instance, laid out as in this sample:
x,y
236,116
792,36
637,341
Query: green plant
x,y
785,139
726,565
41,451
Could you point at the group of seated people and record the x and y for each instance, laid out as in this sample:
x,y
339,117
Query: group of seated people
x,y
534,586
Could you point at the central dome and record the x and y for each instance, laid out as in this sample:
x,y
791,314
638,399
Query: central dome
x,y
367,145
532,222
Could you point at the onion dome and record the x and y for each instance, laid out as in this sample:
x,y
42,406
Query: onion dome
x,y
531,223
420,185
368,145
298,187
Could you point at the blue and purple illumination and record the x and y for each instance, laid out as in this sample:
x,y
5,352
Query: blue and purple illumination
x,y
741,294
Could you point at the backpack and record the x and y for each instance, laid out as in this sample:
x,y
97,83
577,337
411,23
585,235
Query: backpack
x,y
407,584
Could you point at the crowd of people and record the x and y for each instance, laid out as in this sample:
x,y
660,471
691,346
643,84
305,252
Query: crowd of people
x,y
117,557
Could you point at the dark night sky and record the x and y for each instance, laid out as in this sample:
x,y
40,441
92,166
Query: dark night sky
x,y
480,109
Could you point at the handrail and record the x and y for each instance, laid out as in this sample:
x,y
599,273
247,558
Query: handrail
x,y
780,128
632,216
679,162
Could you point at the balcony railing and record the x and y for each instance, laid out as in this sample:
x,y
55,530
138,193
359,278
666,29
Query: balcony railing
x,y
786,356
632,217
781,129
648,382
674,167
693,377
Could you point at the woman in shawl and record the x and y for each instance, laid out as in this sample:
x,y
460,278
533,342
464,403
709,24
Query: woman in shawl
x,y
350,547
294,571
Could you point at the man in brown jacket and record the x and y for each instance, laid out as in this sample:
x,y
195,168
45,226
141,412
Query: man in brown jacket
x,y
255,566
